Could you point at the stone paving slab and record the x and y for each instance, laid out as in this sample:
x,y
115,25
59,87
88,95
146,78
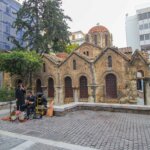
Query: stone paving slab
x,y
7,143
96,129
39,146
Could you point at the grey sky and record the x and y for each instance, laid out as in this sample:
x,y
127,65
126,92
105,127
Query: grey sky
x,y
110,13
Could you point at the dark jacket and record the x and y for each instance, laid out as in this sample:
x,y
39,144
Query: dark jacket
x,y
20,95
31,98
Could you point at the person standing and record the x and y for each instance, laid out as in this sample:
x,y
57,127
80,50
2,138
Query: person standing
x,y
20,96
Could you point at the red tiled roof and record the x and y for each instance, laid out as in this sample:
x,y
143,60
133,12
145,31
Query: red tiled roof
x,y
62,55
99,28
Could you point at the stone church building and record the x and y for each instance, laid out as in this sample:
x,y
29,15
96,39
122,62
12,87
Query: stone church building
x,y
94,72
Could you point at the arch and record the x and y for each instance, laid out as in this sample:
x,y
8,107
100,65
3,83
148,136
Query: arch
x,y
111,86
140,83
38,85
83,87
95,39
106,40
50,87
109,61
68,87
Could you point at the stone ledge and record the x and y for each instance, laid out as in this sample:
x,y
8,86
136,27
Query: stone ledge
x,y
4,105
63,109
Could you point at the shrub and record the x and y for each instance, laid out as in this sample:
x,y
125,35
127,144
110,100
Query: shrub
x,y
6,94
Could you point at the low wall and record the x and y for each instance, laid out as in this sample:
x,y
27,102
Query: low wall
x,y
63,109
6,105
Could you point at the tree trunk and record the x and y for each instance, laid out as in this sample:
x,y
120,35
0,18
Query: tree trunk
x,y
30,80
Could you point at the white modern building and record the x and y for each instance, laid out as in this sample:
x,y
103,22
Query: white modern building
x,y
138,29
77,37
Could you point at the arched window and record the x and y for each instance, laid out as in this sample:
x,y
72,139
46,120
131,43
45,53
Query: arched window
x,y
50,87
74,65
106,40
95,39
83,87
44,67
87,53
68,87
109,61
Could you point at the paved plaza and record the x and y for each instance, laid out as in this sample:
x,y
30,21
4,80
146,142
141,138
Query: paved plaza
x,y
87,130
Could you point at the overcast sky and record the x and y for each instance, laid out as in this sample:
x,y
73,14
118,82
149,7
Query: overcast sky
x,y
110,13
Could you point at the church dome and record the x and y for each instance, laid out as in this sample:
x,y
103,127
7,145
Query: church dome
x,y
97,29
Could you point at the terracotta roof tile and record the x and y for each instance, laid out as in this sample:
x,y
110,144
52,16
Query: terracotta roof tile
x,y
99,28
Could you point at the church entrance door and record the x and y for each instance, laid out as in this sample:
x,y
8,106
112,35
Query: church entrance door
x,y
111,86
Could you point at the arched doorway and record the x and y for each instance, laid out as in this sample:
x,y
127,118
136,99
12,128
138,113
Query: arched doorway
x,y
140,87
68,88
38,85
111,86
140,76
83,87
50,88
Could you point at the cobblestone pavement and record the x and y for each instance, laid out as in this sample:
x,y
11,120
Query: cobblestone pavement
x,y
99,130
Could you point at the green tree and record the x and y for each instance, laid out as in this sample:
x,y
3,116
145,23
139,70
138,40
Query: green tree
x,y
44,25
71,47
21,63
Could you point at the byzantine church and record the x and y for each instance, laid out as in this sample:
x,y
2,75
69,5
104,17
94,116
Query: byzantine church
x,y
94,72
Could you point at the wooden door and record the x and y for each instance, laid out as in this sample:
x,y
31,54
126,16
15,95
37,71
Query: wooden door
x,y
38,86
68,88
83,87
111,86
50,88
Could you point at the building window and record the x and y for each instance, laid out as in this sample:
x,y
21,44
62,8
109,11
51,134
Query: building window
x,y
146,26
147,36
95,39
44,67
143,16
141,37
87,53
141,27
109,61
139,84
74,65
7,10
8,28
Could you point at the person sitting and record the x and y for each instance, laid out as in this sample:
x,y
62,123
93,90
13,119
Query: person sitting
x,y
30,103
41,104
